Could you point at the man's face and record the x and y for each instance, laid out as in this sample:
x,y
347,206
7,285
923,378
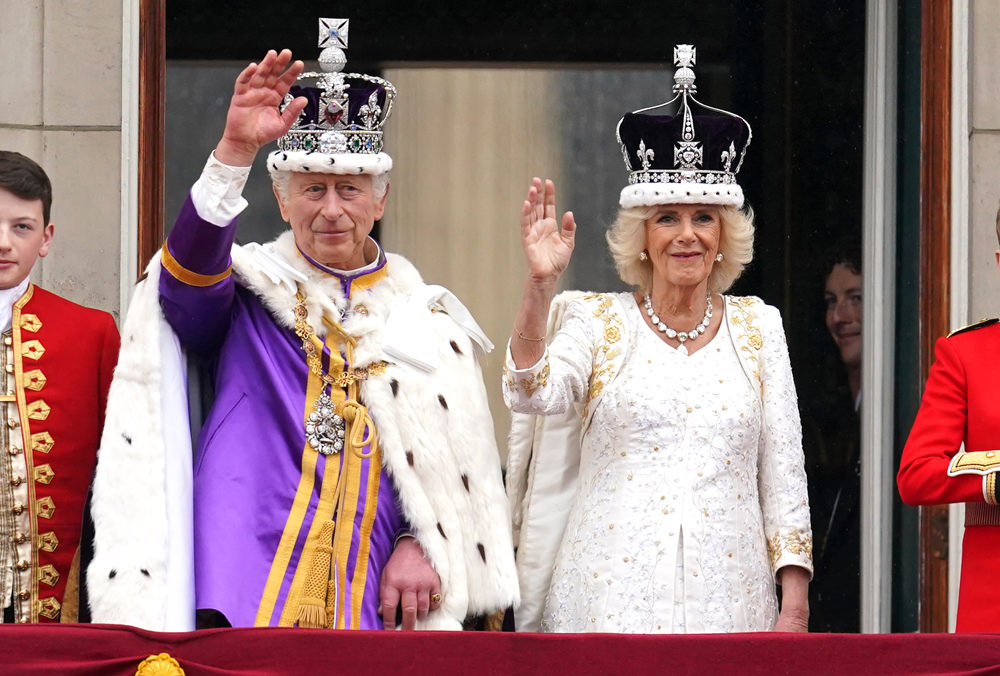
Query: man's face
x,y
843,312
331,216
24,236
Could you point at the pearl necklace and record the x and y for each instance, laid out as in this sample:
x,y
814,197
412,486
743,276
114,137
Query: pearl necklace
x,y
680,335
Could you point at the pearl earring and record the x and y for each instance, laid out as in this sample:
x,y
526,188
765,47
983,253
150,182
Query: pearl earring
x,y
718,259
643,256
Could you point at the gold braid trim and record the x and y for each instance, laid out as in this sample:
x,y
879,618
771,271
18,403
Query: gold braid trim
x,y
189,277
991,488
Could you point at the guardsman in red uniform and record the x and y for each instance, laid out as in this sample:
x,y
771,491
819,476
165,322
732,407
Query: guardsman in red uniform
x,y
56,361
961,404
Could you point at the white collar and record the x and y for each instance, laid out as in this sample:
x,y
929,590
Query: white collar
x,y
7,299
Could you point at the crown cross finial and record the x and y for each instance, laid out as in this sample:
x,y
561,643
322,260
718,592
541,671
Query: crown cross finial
x,y
684,58
333,40
333,33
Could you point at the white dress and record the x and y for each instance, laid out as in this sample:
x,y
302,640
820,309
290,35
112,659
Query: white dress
x,y
680,489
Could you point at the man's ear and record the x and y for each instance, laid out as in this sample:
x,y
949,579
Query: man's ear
x,y
47,234
380,207
281,202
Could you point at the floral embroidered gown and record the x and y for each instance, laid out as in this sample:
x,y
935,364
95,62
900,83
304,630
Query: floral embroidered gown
x,y
692,491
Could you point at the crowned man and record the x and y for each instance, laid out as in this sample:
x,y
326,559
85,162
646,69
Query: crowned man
x,y
56,362
347,468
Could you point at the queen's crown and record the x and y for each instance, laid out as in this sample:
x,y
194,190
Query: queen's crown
x,y
689,156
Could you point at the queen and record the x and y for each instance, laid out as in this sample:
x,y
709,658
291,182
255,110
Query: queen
x,y
660,486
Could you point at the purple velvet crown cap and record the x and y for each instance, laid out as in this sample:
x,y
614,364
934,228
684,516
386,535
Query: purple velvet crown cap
x,y
661,133
357,97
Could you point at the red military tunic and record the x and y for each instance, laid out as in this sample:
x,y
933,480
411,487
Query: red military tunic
x,y
58,360
961,403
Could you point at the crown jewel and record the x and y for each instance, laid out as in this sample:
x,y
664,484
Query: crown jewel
x,y
691,156
342,121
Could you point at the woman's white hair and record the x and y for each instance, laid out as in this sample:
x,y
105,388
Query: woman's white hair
x,y
280,178
627,238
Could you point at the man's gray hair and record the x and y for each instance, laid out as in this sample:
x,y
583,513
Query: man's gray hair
x,y
281,178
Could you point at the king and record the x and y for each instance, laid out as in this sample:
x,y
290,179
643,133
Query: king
x,y
346,469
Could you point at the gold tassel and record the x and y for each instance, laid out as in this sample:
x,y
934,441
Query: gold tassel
x,y
312,608
331,603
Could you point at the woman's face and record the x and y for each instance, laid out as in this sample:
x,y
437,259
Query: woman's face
x,y
682,241
843,312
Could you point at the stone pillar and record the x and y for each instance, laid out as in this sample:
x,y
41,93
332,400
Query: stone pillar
x,y
984,158
60,104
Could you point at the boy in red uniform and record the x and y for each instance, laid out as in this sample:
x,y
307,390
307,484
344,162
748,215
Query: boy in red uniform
x,y
959,406
56,361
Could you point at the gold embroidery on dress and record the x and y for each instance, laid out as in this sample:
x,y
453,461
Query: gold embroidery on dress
x,y
751,336
605,354
530,383
794,542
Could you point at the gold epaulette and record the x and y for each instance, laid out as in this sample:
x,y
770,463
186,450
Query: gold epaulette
x,y
978,325
975,462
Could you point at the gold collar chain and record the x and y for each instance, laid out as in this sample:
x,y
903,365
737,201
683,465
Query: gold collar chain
x,y
305,332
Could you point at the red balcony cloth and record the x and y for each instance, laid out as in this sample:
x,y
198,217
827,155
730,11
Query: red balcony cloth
x,y
104,650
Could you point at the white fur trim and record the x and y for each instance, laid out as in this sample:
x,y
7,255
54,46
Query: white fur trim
x,y
323,163
652,194
451,493
143,571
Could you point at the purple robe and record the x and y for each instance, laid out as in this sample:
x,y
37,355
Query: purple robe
x,y
261,493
